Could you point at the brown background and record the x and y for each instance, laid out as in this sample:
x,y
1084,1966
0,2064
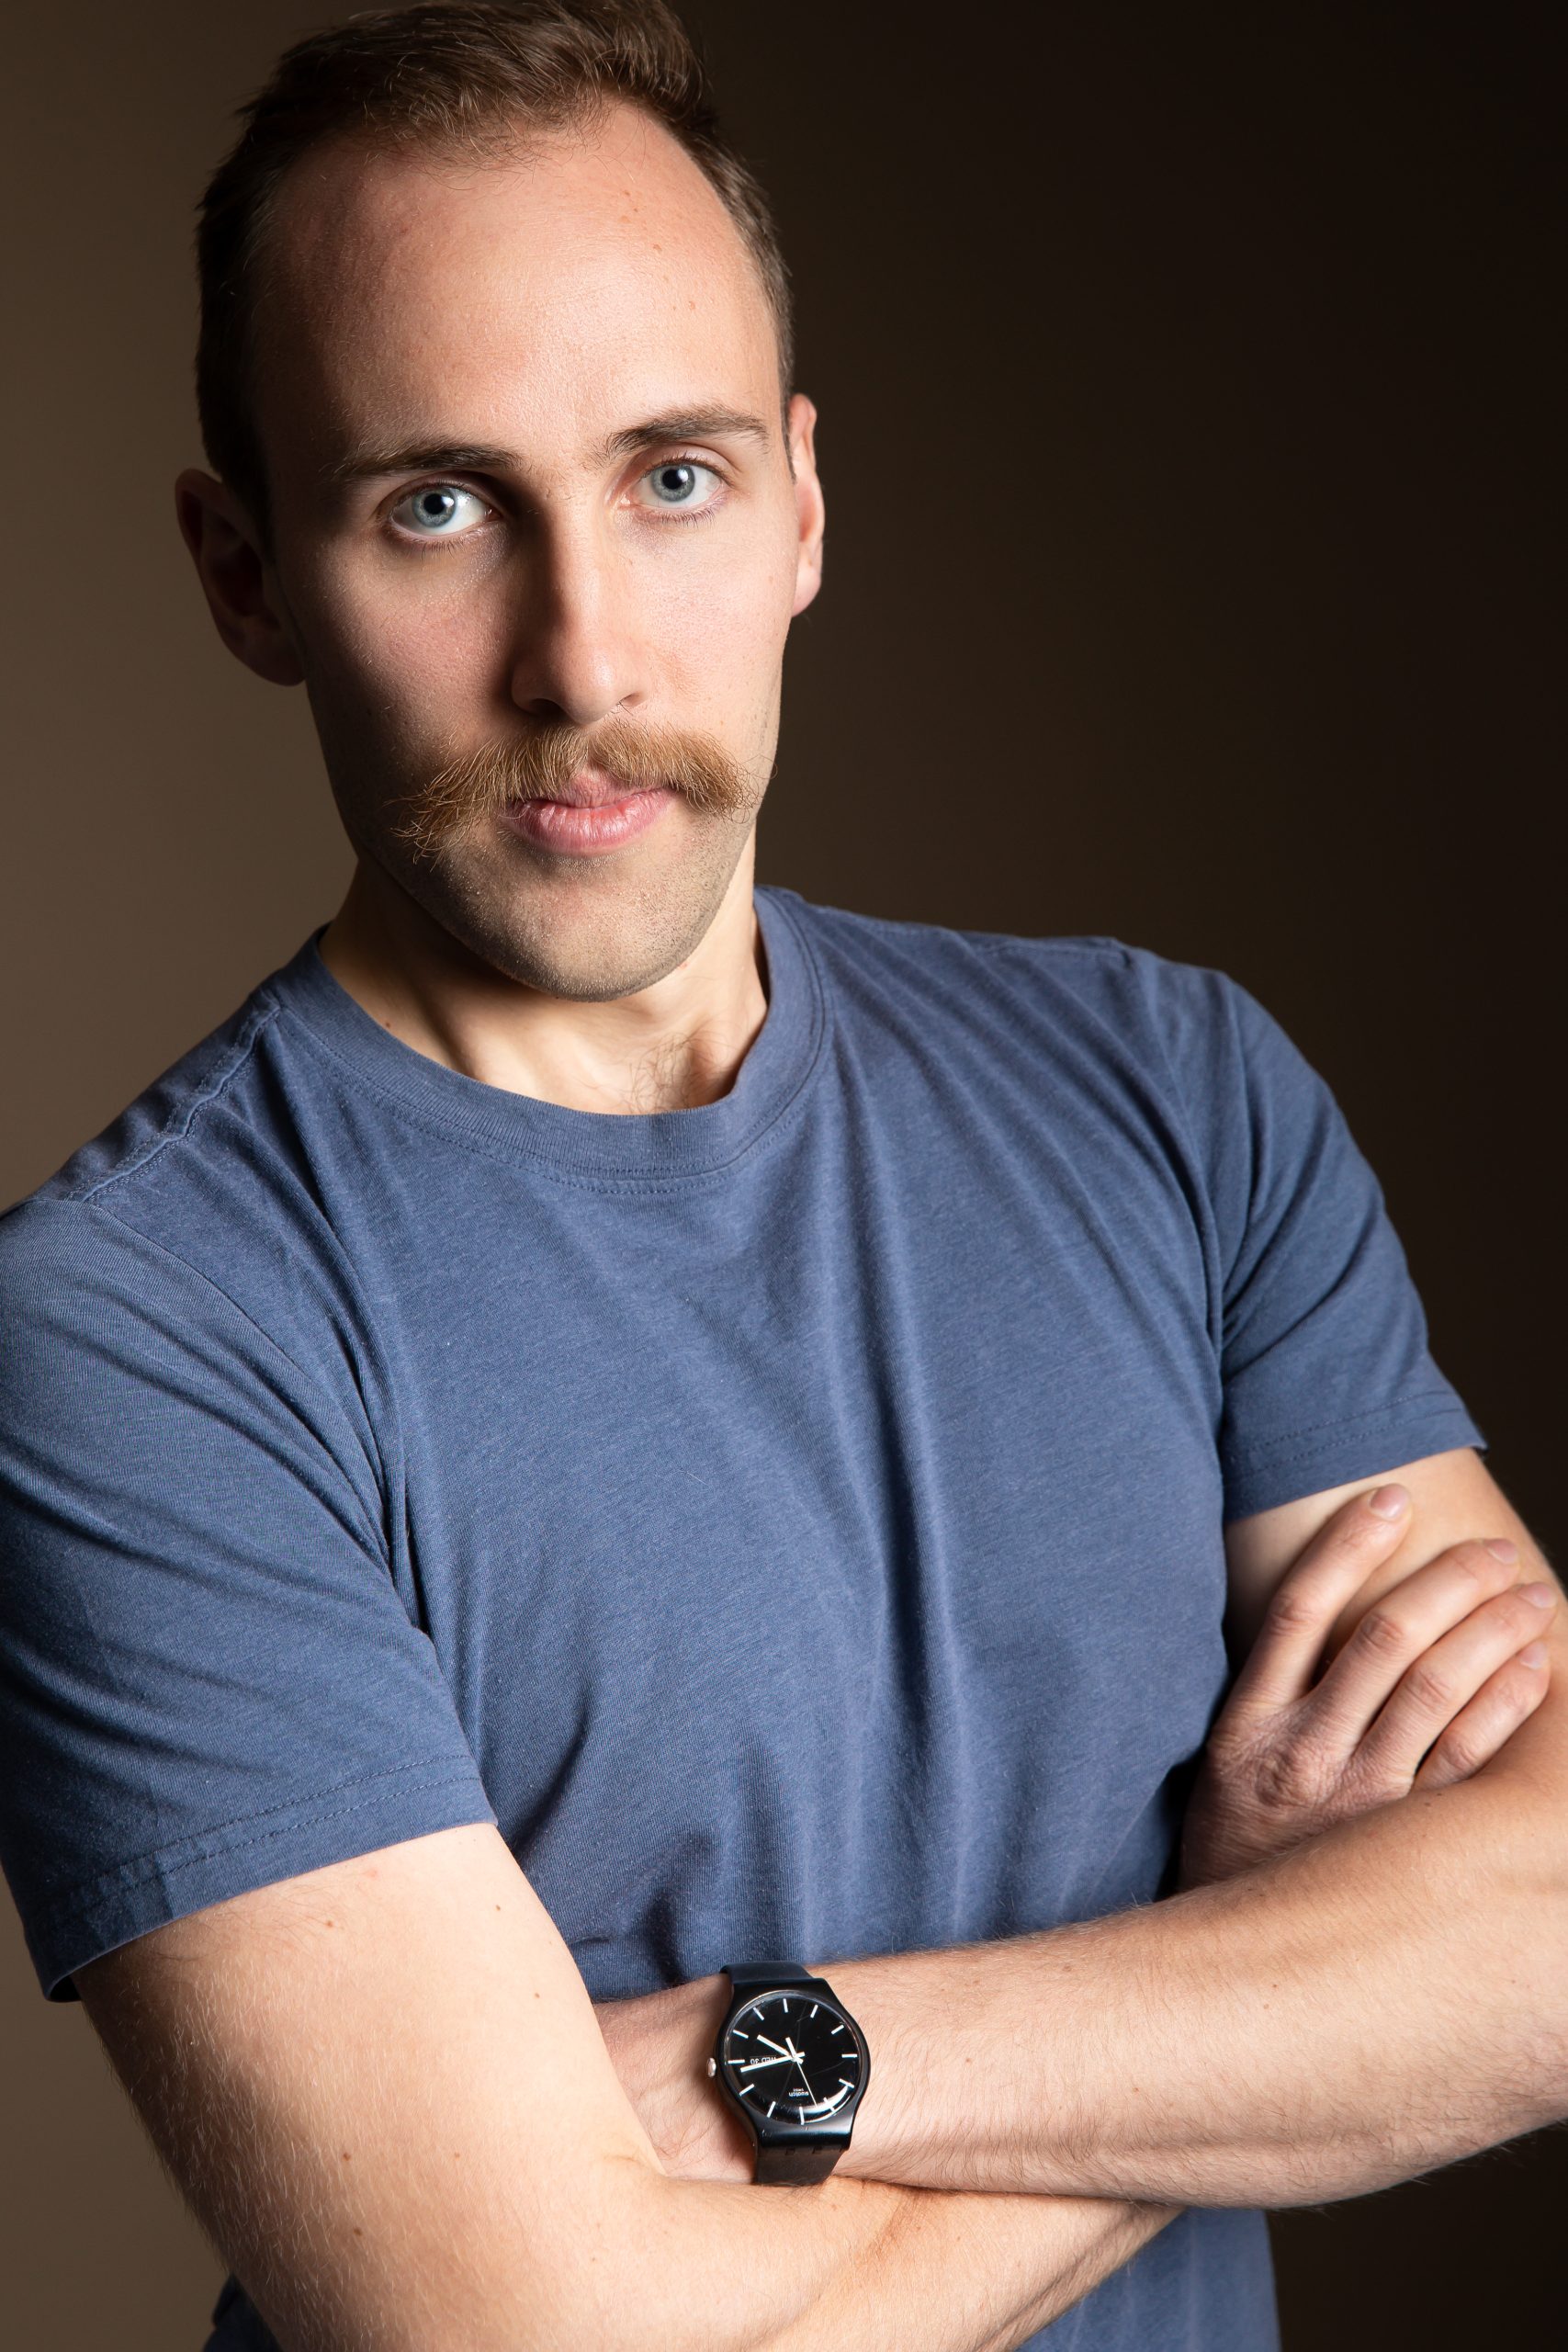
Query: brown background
x,y
1184,381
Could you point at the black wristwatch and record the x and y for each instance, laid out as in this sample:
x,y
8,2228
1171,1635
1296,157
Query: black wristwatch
x,y
794,2064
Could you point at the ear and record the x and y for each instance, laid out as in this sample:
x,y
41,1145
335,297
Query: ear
x,y
237,577
808,505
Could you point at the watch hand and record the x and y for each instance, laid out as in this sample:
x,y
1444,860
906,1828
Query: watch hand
x,y
773,2046
800,2062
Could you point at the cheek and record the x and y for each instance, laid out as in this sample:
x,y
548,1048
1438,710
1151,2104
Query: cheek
x,y
721,619
395,644
714,643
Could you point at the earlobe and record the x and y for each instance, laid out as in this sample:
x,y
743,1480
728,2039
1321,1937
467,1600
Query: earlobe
x,y
235,578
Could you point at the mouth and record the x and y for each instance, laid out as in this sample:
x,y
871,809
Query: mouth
x,y
592,788
593,815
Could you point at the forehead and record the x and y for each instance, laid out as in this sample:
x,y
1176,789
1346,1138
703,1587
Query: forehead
x,y
538,299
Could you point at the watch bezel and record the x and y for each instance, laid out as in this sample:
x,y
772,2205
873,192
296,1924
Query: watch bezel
x,y
775,2129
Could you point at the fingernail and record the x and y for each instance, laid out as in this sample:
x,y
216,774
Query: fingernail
x,y
1389,1501
1534,1655
1501,1549
1540,1594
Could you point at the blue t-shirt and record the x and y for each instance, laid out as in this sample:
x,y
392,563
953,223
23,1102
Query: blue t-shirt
x,y
796,1522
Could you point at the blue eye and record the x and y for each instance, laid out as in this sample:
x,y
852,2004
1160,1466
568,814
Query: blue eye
x,y
435,507
674,482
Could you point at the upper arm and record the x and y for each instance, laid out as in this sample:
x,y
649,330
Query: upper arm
x,y
382,2088
1454,1498
1326,1378
214,1667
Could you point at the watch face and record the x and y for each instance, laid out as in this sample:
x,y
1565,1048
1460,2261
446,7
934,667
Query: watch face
x,y
791,2057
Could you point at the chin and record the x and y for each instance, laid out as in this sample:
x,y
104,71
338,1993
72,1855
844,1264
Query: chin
x,y
589,945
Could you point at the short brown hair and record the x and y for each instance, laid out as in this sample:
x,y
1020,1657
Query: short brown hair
x,y
455,76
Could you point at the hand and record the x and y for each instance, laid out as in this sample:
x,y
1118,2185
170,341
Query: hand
x,y
660,2044
1425,1689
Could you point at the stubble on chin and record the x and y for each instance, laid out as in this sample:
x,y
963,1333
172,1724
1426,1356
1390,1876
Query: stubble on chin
x,y
588,929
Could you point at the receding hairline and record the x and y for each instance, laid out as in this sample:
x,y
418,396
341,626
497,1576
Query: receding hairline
x,y
504,135
506,141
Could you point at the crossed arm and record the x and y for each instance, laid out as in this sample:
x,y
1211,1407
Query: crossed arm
x,y
383,2090
1389,1996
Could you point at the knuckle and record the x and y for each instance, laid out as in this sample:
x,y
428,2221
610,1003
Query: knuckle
x,y
1293,1776
1473,1563
1226,1756
1370,1781
1430,1688
1241,1726
1294,1608
1456,1756
1519,1686
1436,1774
1381,1634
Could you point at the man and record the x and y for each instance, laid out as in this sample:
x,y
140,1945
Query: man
x,y
612,1426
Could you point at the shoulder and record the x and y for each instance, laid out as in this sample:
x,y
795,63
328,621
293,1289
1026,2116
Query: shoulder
x,y
196,1193
172,1117
221,1118
1186,1022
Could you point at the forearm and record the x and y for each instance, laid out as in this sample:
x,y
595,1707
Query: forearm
x,y
860,2266
1387,1997
848,2265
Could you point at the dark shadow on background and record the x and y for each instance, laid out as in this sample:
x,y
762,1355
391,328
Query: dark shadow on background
x,y
1188,385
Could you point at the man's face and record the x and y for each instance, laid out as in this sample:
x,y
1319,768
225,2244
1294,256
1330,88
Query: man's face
x,y
530,599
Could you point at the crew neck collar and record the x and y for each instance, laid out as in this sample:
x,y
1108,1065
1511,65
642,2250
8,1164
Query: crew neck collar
x,y
607,1145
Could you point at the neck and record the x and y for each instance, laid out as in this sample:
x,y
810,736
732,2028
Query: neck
x,y
672,1046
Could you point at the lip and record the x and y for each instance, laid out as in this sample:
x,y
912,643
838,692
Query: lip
x,y
590,787
597,818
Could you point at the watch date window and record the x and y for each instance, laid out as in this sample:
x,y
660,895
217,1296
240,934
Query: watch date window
x,y
792,2058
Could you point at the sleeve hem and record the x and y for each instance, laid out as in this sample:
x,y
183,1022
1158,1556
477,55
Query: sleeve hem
x,y
1307,1461
174,1881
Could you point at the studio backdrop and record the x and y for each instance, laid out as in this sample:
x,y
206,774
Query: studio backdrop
x,y
1185,385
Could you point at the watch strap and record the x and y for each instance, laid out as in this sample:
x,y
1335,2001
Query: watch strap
x,y
804,2161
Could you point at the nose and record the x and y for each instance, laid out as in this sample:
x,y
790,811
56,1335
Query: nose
x,y
576,652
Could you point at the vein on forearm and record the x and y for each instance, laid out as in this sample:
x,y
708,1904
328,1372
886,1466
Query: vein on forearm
x,y
1390,1997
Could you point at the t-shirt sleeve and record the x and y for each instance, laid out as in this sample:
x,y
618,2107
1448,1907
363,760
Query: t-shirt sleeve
x,y
208,1679
1325,1368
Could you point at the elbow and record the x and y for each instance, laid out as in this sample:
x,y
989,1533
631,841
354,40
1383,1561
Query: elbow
x,y
640,2275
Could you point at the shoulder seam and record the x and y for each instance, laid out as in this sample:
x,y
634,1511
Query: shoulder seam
x,y
992,942
184,1118
1004,942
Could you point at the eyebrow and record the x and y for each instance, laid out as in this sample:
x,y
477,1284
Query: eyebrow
x,y
469,458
